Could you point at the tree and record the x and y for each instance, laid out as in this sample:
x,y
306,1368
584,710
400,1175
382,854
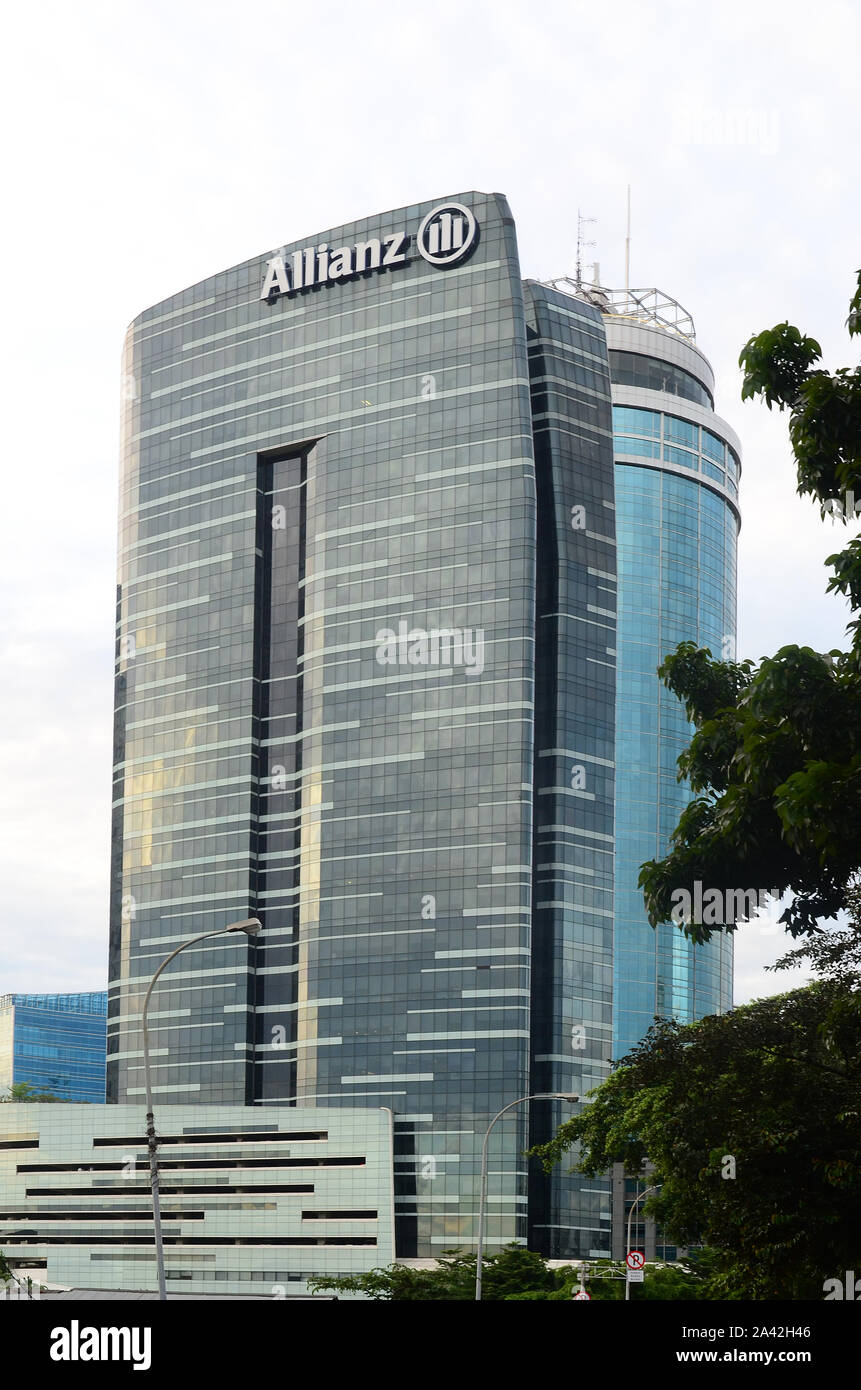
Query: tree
x,y
605,1282
752,1120
775,760
22,1091
511,1271
835,954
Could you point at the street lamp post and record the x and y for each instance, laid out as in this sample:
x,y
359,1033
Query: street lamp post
x,y
482,1200
251,926
636,1202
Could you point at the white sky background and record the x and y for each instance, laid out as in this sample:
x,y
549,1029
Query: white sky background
x,y
151,144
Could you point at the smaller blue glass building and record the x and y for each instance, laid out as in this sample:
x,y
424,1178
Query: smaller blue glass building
x,y
56,1043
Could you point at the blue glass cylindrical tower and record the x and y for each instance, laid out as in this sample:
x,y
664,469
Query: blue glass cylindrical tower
x,y
677,521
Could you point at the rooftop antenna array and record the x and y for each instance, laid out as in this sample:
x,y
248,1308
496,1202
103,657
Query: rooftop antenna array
x,y
581,242
628,246
648,306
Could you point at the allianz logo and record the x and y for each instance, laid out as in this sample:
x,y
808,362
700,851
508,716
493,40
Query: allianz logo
x,y
445,237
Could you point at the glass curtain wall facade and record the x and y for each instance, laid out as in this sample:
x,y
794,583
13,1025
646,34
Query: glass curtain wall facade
x,y
677,475
54,1043
367,660
302,477
575,637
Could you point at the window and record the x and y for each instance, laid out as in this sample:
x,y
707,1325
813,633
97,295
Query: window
x,y
630,420
713,446
681,432
635,369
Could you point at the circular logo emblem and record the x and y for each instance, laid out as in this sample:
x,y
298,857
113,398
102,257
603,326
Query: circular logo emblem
x,y
448,234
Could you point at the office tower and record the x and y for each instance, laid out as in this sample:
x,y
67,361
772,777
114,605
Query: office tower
x,y
677,476
365,690
55,1043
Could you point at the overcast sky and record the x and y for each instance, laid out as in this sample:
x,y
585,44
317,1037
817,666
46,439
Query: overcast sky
x,y
151,144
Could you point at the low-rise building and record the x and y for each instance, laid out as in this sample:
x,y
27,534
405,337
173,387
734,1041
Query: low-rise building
x,y
253,1200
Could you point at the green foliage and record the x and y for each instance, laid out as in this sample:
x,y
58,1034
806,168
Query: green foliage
x,y
513,1270
775,759
680,1282
834,955
777,363
23,1091
605,1282
512,1275
776,1086
778,769
825,408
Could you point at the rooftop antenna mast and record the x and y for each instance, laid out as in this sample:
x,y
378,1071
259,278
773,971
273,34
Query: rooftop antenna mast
x,y
581,242
628,246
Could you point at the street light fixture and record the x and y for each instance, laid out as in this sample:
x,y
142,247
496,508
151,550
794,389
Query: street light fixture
x,y
251,926
571,1098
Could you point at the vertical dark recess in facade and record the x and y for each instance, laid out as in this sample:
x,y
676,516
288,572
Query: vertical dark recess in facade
x,y
278,649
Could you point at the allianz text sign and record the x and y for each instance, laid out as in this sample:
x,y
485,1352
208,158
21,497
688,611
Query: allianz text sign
x,y
445,237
